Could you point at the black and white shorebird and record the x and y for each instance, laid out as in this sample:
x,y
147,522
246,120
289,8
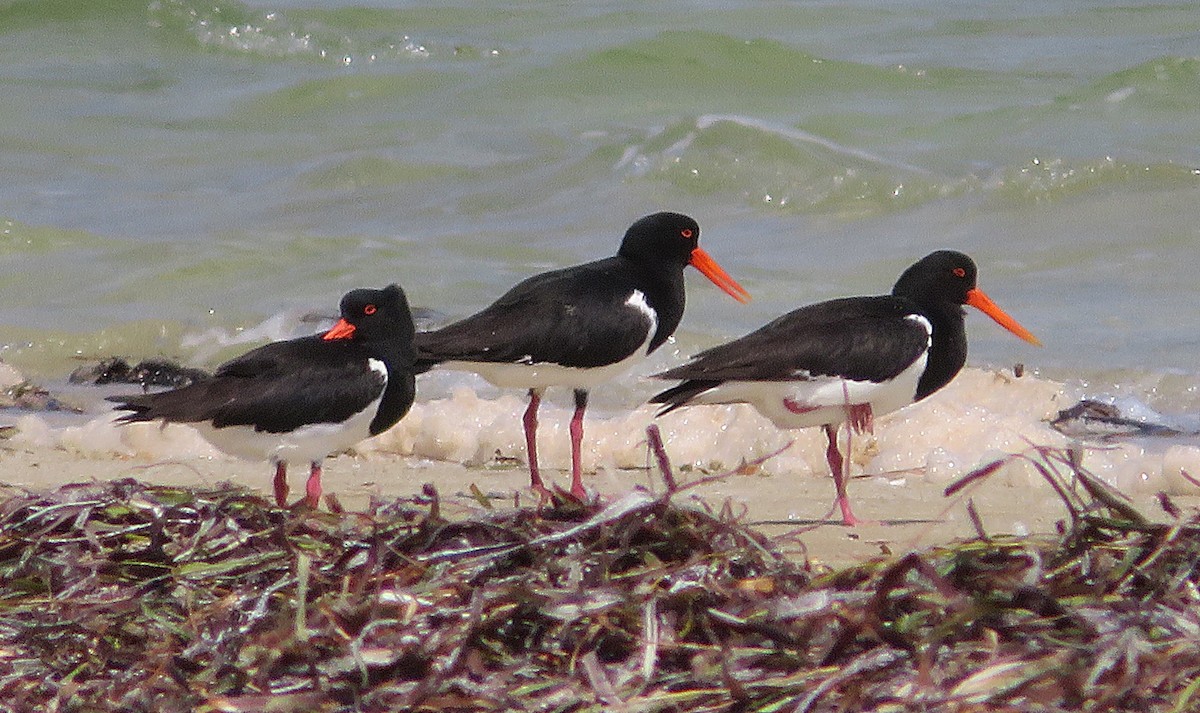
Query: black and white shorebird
x,y
302,399
846,360
580,326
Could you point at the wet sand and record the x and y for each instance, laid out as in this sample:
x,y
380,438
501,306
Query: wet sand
x,y
913,512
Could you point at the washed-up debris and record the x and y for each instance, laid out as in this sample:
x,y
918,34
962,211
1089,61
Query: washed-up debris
x,y
130,597
28,396
146,373
1109,417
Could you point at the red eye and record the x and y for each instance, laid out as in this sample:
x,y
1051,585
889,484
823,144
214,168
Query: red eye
x,y
687,233
960,272
369,310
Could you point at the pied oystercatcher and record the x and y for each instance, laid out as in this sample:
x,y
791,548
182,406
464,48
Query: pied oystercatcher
x,y
580,326
302,399
846,359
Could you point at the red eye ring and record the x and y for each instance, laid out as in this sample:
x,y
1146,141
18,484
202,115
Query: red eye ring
x,y
687,233
960,272
369,310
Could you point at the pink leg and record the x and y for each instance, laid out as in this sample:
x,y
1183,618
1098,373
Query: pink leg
x,y
281,486
531,424
837,466
312,489
581,397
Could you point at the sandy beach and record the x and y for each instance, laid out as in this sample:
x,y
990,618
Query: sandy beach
x,y
911,513
470,438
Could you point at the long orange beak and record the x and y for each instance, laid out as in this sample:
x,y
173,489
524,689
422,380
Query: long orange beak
x,y
710,269
341,330
977,299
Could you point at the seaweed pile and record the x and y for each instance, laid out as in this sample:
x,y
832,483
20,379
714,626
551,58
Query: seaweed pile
x,y
131,597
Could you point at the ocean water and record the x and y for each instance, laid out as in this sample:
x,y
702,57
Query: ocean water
x,y
186,179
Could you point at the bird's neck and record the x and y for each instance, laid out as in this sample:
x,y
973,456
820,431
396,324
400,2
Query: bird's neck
x,y
947,349
398,392
663,286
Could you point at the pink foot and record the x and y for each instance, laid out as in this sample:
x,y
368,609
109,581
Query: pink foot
x,y
860,417
848,518
543,494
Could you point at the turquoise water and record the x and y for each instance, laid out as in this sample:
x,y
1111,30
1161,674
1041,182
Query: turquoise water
x,y
176,172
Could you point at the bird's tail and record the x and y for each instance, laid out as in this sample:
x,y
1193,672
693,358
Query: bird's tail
x,y
140,409
426,359
681,394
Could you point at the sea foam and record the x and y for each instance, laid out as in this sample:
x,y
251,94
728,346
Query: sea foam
x,y
983,415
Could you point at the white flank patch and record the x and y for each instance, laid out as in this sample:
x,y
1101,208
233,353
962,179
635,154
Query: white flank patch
x,y
637,300
379,368
926,325
539,375
826,395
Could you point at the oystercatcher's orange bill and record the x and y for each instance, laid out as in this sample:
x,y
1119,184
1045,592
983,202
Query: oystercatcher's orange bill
x,y
341,330
710,269
980,301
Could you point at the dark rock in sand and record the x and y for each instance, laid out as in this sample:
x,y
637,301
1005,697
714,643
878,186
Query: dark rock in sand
x,y
147,373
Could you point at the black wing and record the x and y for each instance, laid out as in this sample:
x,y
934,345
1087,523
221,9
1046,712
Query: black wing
x,y
858,338
573,317
276,388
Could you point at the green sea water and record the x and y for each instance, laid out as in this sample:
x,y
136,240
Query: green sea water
x,y
180,178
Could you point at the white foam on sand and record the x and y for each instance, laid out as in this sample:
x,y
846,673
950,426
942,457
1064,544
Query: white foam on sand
x,y
981,416
102,437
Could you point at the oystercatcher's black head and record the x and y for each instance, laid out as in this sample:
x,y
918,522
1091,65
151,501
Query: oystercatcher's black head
x,y
673,239
947,277
374,315
942,277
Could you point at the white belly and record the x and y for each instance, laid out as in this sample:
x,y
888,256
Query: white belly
x,y
540,376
